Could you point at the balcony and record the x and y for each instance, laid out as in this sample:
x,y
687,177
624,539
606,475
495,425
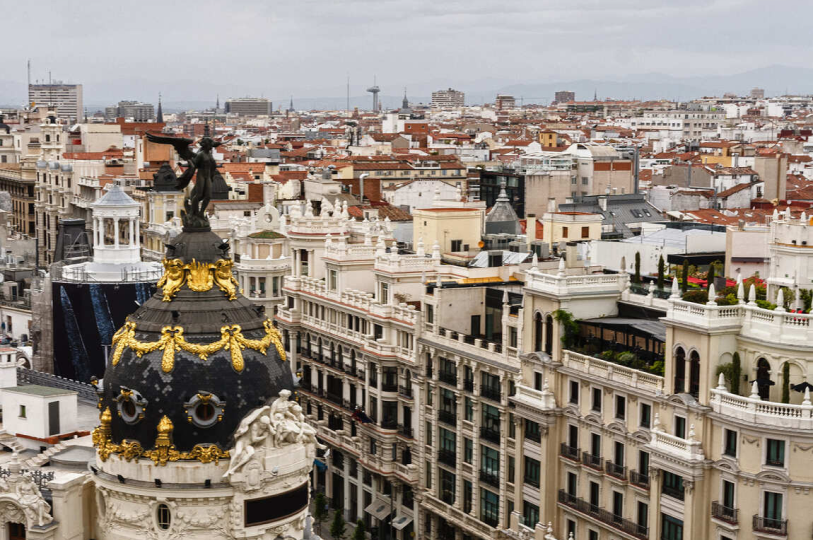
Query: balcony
x,y
778,527
674,492
490,478
615,470
493,394
604,516
594,462
753,410
535,436
638,479
406,431
333,398
404,391
468,385
489,434
447,417
690,450
534,482
569,452
389,423
389,386
724,513
448,378
447,457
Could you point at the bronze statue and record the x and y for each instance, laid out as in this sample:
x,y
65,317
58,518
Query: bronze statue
x,y
202,163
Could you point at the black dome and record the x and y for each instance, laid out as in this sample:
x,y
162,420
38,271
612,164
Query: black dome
x,y
204,398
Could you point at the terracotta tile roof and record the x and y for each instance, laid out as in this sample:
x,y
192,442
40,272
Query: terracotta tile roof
x,y
733,190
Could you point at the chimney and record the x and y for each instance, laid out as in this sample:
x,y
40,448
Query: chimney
x,y
530,228
602,202
551,205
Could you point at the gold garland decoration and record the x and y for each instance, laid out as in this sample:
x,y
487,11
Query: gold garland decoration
x,y
172,340
163,452
198,276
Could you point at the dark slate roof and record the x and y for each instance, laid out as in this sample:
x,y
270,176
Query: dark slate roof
x,y
622,210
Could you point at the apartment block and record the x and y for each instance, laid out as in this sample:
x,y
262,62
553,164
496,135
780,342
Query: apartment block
x,y
66,98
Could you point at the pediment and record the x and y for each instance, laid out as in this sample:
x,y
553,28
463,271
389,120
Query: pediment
x,y
773,476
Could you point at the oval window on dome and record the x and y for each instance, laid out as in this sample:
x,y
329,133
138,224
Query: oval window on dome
x,y
130,405
163,516
204,409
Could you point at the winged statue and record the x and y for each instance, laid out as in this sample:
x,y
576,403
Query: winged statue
x,y
201,162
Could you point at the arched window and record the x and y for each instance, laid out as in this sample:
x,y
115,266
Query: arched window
x,y
764,381
694,374
680,370
538,332
549,334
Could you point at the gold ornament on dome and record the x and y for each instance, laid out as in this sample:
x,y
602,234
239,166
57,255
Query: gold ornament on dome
x,y
198,276
172,340
164,451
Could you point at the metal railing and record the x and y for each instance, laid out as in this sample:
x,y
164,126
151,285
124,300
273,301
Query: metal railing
x,y
724,513
638,479
29,376
447,457
491,393
778,527
405,392
489,434
614,520
490,478
570,452
447,417
594,462
448,378
615,470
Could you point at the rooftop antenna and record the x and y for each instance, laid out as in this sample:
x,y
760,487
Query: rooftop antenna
x,y
29,79
347,109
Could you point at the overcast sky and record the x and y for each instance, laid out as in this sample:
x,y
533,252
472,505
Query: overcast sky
x,y
309,47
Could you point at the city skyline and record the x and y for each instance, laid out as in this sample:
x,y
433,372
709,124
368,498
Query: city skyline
x,y
522,44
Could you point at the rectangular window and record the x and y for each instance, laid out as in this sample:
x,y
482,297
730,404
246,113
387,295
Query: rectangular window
x,y
489,507
643,516
430,313
620,407
573,436
22,411
618,505
468,450
594,495
673,485
530,514
572,484
447,486
334,280
646,415
775,455
597,399
468,492
618,454
469,410
730,448
772,507
643,463
537,381
429,434
728,494
511,469
680,427
592,535
490,461
595,444
574,392
491,419
585,232
564,232
671,528
428,475
448,441
532,470
457,245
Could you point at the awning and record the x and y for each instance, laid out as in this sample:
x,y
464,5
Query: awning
x,y
401,522
380,509
655,329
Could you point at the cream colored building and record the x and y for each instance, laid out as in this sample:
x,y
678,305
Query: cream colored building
x,y
570,227
454,229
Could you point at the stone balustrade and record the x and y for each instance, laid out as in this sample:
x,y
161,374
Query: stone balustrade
x,y
689,450
561,284
634,378
755,411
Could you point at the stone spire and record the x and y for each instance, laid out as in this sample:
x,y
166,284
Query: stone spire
x,y
160,116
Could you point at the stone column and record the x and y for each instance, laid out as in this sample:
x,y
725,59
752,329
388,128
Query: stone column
x,y
130,241
519,464
654,500
116,232
137,233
